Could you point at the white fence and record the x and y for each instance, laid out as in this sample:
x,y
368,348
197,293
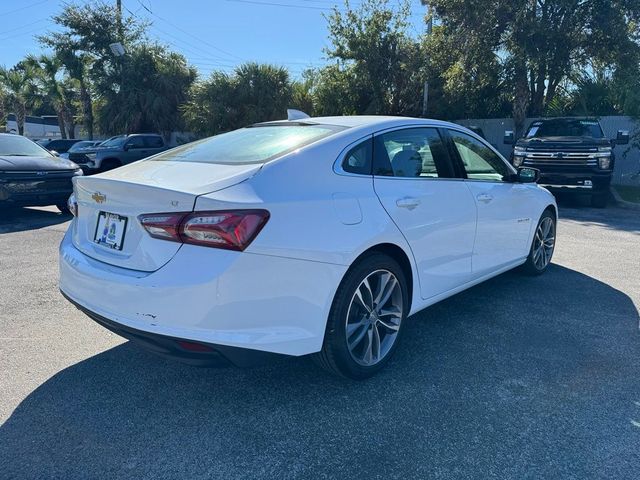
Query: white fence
x,y
627,156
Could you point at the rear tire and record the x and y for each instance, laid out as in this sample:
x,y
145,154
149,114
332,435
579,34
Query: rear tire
x,y
599,200
542,246
366,318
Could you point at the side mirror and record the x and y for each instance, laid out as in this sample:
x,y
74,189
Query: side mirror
x,y
528,175
126,147
54,153
509,137
623,137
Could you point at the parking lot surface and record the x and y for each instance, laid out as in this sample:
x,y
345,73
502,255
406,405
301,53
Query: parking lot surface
x,y
519,377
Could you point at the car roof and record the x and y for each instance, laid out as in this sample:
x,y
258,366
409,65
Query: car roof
x,y
376,121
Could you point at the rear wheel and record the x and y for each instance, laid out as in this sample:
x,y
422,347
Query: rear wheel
x,y
543,245
366,318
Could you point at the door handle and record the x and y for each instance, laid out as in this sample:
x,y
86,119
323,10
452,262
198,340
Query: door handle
x,y
408,202
484,197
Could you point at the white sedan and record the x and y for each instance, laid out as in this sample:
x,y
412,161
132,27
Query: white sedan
x,y
316,236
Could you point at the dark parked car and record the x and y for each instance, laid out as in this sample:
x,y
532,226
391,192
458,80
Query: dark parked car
x,y
31,176
59,145
81,146
572,154
118,151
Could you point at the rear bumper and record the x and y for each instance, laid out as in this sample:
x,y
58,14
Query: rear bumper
x,y
210,296
182,349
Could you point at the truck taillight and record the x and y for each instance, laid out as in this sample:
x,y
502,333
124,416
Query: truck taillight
x,y
228,229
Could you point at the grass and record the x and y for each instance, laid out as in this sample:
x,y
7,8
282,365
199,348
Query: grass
x,y
630,193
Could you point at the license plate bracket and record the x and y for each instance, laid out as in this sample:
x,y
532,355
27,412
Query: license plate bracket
x,y
110,230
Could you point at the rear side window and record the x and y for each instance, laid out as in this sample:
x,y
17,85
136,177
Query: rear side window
x,y
136,142
358,159
153,142
413,153
257,144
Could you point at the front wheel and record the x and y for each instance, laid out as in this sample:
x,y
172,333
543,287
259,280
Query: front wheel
x,y
543,245
366,318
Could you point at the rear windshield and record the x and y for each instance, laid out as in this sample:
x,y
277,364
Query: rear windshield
x,y
18,146
565,128
257,144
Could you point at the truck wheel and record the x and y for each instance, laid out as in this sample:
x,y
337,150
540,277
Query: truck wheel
x,y
599,200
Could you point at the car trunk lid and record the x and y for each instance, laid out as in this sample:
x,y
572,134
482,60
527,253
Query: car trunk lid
x,y
107,226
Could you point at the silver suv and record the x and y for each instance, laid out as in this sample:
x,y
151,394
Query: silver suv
x,y
118,151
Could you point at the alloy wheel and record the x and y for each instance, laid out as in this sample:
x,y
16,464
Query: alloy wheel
x,y
544,243
373,318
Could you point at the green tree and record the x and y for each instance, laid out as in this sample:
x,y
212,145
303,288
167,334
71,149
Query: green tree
x,y
19,90
82,44
377,64
223,102
541,42
156,85
48,82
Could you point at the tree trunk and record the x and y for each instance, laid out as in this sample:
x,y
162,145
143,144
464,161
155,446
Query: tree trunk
x,y
521,97
61,125
87,110
21,113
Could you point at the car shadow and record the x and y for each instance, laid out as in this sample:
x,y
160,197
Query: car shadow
x,y
518,375
578,209
21,219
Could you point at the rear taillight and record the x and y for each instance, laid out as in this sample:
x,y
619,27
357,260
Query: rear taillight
x,y
229,229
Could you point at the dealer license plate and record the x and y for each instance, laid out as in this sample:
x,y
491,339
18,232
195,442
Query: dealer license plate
x,y
110,230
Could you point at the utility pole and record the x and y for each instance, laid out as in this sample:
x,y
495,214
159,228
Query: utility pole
x,y
425,99
119,18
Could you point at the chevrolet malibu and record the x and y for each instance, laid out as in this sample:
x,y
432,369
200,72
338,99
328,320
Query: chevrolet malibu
x,y
315,236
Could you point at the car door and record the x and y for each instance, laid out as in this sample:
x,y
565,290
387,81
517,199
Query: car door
x,y
504,207
415,180
135,149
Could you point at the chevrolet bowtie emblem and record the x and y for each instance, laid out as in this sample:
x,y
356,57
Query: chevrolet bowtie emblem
x,y
99,197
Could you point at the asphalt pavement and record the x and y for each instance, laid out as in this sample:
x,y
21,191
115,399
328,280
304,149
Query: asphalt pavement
x,y
517,378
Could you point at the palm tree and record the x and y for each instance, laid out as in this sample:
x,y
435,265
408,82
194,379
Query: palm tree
x,y
76,67
47,72
19,90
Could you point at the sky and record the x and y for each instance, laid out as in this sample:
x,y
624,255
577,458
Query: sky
x,y
212,35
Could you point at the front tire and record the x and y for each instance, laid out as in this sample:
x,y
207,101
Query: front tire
x,y
542,246
366,318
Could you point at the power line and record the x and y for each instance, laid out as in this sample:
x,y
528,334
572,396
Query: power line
x,y
25,25
23,8
189,34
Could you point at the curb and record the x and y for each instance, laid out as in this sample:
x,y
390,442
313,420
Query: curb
x,y
623,203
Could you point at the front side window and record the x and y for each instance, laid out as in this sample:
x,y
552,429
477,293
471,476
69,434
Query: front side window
x,y
480,162
412,153
257,144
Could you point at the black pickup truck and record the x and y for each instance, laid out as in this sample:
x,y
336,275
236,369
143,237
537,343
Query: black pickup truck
x,y
572,155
